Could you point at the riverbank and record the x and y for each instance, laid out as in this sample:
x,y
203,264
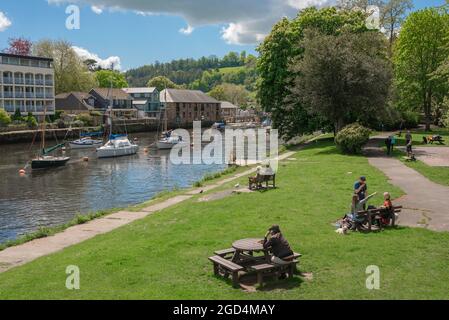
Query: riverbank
x,y
163,255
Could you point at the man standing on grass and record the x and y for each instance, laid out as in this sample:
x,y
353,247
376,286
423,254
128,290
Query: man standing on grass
x,y
361,188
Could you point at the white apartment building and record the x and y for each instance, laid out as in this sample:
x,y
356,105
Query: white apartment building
x,y
27,83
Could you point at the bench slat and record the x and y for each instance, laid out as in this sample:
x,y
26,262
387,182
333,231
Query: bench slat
x,y
224,252
226,263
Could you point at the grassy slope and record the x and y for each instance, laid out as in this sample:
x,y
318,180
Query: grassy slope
x,y
165,255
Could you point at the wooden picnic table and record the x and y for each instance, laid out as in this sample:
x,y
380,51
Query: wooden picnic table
x,y
246,248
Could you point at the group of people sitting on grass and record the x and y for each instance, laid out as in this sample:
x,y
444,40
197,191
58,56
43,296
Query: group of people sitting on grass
x,y
359,200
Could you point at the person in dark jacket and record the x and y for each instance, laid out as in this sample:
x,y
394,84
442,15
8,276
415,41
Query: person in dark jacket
x,y
275,241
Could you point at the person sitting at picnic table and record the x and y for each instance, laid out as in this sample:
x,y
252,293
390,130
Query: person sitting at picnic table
x,y
388,205
266,171
279,246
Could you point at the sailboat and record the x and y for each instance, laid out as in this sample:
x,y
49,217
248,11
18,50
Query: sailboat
x,y
118,145
44,160
87,141
168,140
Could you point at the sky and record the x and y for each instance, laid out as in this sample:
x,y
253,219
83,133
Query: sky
x,y
132,33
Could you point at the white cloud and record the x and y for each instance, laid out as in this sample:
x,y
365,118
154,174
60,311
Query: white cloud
x,y
5,23
187,30
103,63
246,22
97,10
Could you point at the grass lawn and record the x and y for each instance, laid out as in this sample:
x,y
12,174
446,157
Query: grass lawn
x,y
164,256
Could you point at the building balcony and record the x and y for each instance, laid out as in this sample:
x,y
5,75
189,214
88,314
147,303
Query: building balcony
x,y
19,81
9,108
8,94
7,80
19,95
40,95
29,95
29,81
49,83
39,82
49,96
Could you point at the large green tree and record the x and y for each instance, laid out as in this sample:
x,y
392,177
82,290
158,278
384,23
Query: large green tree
x,y
161,83
236,94
342,78
107,77
283,46
420,51
71,74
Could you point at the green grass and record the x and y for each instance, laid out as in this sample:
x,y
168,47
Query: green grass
x,y
164,256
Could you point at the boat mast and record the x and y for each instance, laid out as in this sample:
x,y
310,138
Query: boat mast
x,y
44,125
165,110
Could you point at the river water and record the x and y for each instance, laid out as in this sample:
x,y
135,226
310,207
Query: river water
x,y
53,197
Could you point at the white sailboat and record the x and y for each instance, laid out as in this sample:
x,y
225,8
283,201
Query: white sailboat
x,y
168,140
85,143
117,145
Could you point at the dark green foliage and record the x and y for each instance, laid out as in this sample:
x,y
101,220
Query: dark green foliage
x,y
352,138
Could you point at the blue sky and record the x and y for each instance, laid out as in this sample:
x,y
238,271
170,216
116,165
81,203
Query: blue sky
x,y
143,31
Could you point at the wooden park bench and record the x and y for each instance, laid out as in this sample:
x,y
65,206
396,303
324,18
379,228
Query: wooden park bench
x,y
225,253
270,269
257,181
366,218
225,268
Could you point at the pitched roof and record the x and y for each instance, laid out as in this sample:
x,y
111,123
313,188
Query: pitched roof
x,y
139,90
107,93
78,95
228,105
179,95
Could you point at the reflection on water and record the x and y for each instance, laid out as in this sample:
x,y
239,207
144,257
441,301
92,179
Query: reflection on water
x,y
53,197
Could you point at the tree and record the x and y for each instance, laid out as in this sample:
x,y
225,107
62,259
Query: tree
x,y
420,50
342,78
17,116
5,119
71,74
236,94
162,83
393,14
107,77
284,45
19,46
358,4
92,65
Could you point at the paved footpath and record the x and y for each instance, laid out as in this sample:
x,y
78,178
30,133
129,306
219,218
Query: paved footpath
x,y
27,252
426,203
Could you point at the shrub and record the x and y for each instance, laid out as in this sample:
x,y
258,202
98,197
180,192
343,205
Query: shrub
x,y
77,124
5,119
17,116
86,118
352,138
31,121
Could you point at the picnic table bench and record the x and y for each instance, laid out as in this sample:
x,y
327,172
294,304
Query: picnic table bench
x,y
375,215
242,258
257,181
226,267
432,139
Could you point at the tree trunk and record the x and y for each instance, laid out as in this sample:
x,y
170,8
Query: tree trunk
x,y
428,109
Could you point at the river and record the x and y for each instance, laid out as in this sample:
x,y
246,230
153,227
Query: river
x,y
53,197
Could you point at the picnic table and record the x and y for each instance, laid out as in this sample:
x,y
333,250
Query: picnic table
x,y
249,256
260,178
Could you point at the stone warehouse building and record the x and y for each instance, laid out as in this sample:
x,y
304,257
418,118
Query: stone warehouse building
x,y
186,106
27,84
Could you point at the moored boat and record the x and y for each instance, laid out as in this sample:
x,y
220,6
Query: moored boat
x,y
85,143
117,146
44,162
